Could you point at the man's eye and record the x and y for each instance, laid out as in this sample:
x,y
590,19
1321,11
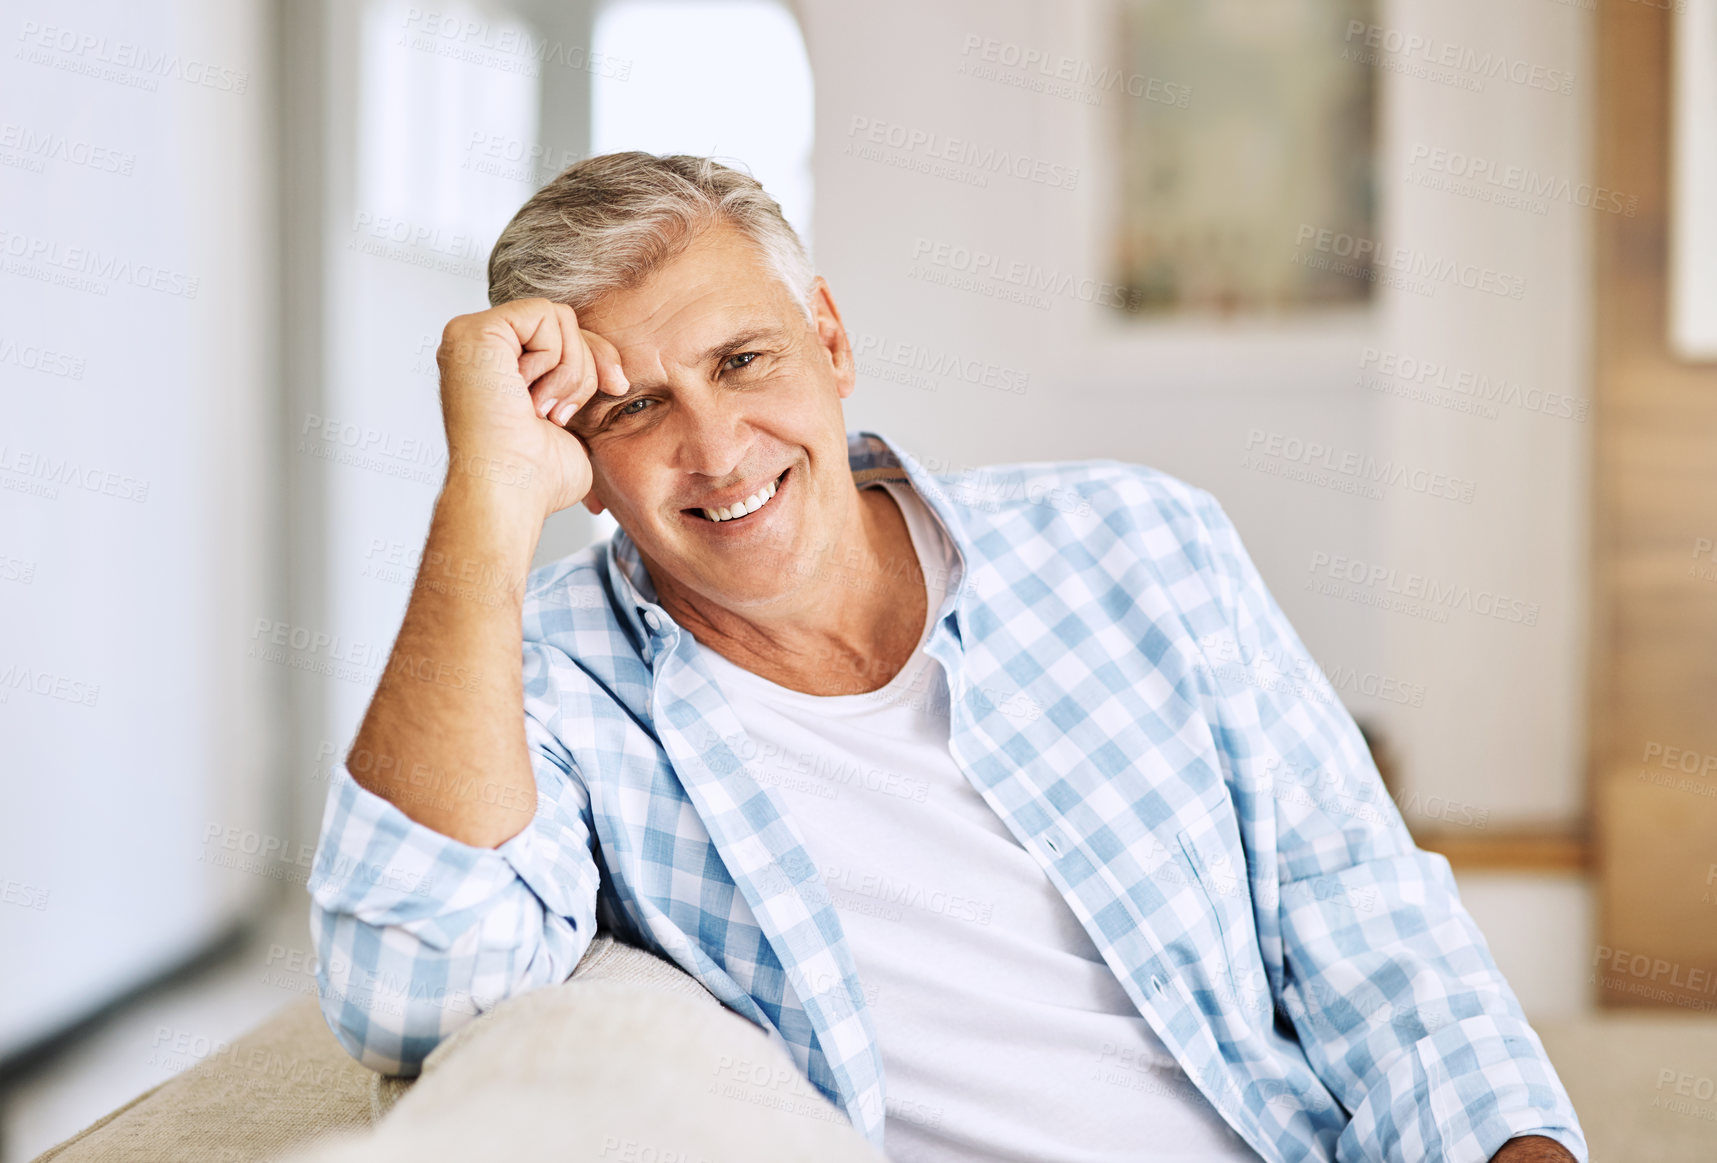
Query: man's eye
x,y
628,409
747,356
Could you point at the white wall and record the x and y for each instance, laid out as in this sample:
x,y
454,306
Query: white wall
x,y
1498,735
1542,930
133,723
1499,724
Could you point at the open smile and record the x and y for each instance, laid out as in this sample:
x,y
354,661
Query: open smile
x,y
743,510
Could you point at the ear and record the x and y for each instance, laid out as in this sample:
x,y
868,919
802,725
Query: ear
x,y
832,337
592,503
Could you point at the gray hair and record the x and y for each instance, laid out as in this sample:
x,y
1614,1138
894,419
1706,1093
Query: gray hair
x,y
608,222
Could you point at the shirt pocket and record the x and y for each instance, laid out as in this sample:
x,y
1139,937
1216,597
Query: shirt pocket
x,y
1210,845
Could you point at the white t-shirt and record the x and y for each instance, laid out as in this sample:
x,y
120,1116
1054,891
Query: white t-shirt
x,y
1004,1035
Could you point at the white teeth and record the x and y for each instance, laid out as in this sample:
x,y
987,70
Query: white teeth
x,y
740,508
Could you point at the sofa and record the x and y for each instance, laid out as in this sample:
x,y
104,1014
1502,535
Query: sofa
x,y
631,1060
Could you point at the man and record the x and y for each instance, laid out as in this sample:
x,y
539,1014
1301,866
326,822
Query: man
x,y
1016,796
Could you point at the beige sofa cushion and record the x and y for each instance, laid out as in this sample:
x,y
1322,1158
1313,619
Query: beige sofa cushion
x,y
617,1050
622,1063
284,1082
288,1082
605,960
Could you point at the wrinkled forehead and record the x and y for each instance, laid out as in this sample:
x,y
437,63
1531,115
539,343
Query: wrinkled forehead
x,y
719,286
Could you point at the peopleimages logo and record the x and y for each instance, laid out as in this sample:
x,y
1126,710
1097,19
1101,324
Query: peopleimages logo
x,y
1359,467
960,151
45,472
1060,75
1029,283
1475,64
1421,588
1621,969
1363,254
43,146
1524,180
88,268
138,66
1481,389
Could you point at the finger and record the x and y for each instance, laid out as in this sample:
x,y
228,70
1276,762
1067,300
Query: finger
x,y
536,334
562,381
533,365
539,343
546,392
572,379
540,339
579,375
611,377
585,387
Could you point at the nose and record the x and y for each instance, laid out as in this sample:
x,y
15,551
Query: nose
x,y
714,436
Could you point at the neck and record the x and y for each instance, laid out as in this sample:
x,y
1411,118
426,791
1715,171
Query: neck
x,y
846,630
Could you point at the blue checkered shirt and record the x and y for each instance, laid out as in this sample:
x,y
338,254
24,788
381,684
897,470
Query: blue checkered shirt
x,y
1127,696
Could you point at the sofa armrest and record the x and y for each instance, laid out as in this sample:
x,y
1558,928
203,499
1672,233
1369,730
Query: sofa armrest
x,y
606,959
282,1084
629,1058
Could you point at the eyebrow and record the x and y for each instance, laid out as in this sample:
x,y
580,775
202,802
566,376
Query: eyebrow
x,y
738,342
732,345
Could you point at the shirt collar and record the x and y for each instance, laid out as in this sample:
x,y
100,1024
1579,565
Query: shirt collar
x,y
871,457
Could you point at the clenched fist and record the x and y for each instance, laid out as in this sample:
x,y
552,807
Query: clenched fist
x,y
511,378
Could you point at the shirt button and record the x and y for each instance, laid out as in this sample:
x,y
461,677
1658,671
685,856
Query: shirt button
x,y
651,620
1052,843
1156,984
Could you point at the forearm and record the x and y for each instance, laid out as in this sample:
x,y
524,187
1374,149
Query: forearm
x,y
444,739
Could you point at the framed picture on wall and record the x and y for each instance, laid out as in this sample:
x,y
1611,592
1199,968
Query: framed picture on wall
x,y
1251,191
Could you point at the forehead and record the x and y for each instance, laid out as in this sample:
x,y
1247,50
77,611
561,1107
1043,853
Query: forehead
x,y
720,280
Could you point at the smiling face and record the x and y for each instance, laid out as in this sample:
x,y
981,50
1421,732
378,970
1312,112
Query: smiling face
x,y
734,393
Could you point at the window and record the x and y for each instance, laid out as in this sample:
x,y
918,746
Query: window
x,y
727,79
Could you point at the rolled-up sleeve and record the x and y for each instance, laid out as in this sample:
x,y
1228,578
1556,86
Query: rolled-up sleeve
x,y
416,932
1398,1004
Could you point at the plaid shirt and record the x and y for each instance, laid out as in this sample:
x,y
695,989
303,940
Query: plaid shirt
x,y
1127,696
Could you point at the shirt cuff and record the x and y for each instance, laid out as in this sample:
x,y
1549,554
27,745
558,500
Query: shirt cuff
x,y
1461,1092
1573,1142
375,863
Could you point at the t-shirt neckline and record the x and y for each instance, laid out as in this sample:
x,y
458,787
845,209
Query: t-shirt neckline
x,y
920,526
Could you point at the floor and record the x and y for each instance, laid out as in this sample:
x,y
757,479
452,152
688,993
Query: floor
x,y
164,1033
